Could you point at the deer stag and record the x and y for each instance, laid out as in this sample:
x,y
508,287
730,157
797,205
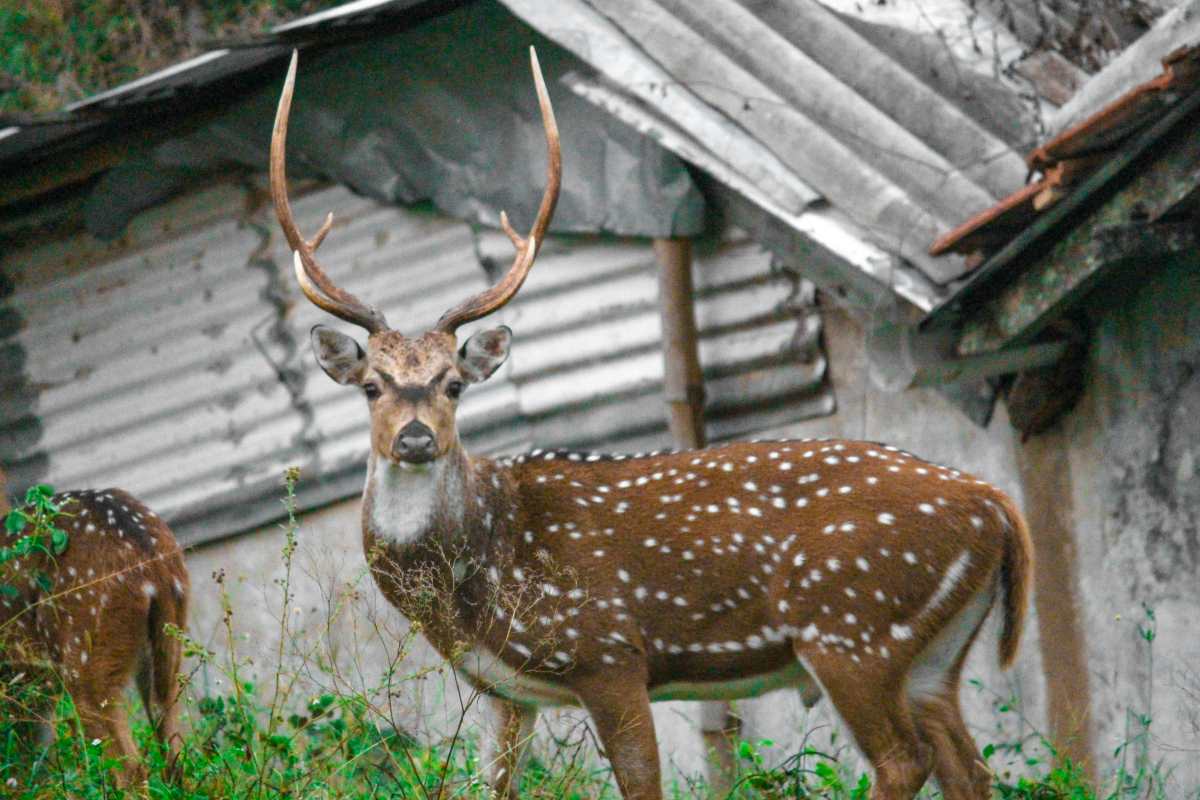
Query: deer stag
x,y
611,581
93,616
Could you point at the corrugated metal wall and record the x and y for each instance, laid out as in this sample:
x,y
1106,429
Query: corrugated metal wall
x,y
176,363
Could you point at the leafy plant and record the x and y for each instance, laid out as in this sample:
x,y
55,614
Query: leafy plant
x,y
33,526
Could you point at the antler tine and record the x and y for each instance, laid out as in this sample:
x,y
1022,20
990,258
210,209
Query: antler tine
x,y
494,298
315,284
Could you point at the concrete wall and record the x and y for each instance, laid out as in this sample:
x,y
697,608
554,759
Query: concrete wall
x,y
343,634
1134,447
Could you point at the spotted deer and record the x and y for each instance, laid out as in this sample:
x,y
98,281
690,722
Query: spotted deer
x,y
844,568
91,619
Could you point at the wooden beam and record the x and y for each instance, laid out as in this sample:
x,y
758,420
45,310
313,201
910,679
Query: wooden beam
x,y
683,381
1095,203
1045,474
1118,234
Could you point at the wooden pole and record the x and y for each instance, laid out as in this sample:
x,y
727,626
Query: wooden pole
x,y
683,381
1046,483
683,390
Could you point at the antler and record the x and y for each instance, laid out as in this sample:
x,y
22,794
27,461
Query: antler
x,y
315,284
488,301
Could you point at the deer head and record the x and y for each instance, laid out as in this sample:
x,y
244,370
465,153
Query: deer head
x,y
411,384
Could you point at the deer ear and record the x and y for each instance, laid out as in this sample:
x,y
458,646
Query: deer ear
x,y
338,354
483,353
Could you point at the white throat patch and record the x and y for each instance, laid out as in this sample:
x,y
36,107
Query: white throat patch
x,y
404,497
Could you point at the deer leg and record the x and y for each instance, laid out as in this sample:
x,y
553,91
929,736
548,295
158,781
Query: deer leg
x,y
505,747
881,722
959,771
620,711
105,717
161,707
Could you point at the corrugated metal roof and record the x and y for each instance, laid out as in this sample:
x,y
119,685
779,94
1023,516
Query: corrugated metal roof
x,y
790,103
178,366
794,81
1070,157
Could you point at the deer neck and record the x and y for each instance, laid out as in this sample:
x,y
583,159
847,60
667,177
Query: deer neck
x,y
410,504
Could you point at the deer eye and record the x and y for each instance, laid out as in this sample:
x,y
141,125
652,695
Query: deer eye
x,y
371,390
454,389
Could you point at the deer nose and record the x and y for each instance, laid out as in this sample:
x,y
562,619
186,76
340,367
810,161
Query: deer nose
x,y
415,442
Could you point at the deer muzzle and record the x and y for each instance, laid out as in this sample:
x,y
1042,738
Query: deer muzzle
x,y
416,443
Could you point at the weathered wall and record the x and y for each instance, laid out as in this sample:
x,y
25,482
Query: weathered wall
x,y
1135,439
329,561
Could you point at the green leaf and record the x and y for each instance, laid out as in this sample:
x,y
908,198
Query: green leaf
x,y
38,493
58,541
14,523
988,751
9,591
43,581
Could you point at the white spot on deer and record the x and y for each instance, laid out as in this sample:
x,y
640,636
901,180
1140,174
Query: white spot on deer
x,y
598,553
847,527
815,576
910,557
801,502
886,519
833,564
926,508
551,590
954,574
977,522
750,486
798,560
900,633
810,633
850,619
148,589
832,460
862,564
822,492
623,575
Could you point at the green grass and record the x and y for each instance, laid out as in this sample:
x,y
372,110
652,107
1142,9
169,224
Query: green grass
x,y
53,52
269,742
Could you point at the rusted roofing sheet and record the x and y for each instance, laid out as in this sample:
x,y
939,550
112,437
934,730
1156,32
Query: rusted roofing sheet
x,y
1067,159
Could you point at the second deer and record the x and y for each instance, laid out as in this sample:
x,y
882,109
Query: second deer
x,y
94,617
611,581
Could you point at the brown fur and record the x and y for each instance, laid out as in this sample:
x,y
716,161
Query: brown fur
x,y
609,581
1018,580
601,580
120,580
